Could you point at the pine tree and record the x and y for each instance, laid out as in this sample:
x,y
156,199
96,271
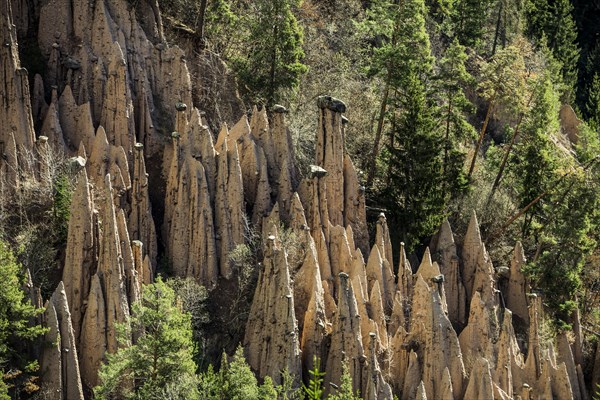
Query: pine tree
x,y
405,49
415,166
534,162
553,20
470,18
314,390
592,106
237,380
502,81
345,392
161,360
272,60
450,81
16,327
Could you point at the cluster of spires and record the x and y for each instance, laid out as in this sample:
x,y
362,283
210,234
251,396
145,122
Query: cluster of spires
x,y
442,330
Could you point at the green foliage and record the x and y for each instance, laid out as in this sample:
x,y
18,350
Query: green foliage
x,y
415,167
345,391
502,79
450,82
16,325
193,301
314,390
553,21
267,391
592,106
596,395
271,61
470,18
237,380
161,358
404,41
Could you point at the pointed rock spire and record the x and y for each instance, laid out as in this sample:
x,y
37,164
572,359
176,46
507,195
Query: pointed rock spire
x,y
271,341
140,222
346,340
82,244
15,106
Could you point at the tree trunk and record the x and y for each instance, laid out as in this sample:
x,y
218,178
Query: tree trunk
x,y
201,40
497,31
378,133
446,147
482,134
507,152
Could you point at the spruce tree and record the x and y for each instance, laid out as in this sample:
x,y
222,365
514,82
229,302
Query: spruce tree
x,y
160,362
502,82
405,49
592,106
415,166
16,327
451,80
553,21
271,62
470,18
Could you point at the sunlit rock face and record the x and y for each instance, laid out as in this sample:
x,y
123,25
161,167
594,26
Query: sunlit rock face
x,y
155,181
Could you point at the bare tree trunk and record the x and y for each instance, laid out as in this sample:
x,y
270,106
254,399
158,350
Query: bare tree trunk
x,y
507,152
446,147
378,133
482,134
201,40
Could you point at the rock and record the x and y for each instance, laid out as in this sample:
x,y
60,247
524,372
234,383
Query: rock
x,y
480,381
93,335
15,106
51,359
192,248
117,107
470,255
355,214
412,380
271,341
445,252
596,370
508,358
140,221
377,388
477,337
76,121
111,271
229,198
565,357
331,103
51,127
346,341
383,242
317,172
516,291
569,123
330,156
82,245
71,380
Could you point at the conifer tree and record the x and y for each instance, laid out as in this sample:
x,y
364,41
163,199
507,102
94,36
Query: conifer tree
x,y
553,20
405,49
16,327
272,59
161,359
415,166
450,82
345,391
470,18
502,81
592,106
